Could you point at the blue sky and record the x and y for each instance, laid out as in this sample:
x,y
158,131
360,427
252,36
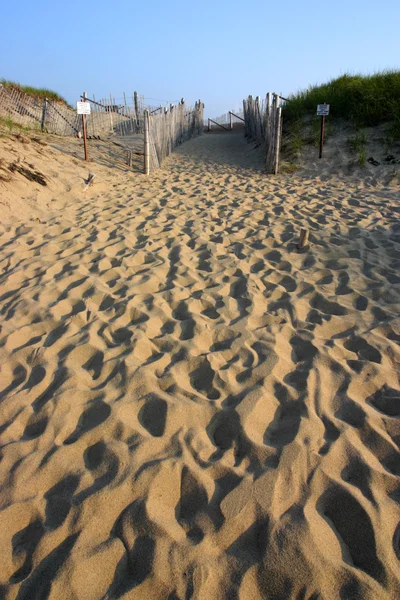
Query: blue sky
x,y
217,51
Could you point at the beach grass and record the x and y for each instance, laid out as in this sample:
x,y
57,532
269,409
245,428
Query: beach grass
x,y
365,100
9,124
33,91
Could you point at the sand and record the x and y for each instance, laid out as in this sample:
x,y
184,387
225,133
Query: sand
x,y
191,407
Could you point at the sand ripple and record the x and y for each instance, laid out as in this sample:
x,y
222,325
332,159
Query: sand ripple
x,y
190,407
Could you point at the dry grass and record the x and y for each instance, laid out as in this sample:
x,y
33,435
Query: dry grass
x,y
33,91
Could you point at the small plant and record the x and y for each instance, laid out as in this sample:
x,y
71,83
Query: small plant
x,y
294,140
10,124
358,142
388,141
7,122
328,128
362,157
296,143
289,167
314,132
395,129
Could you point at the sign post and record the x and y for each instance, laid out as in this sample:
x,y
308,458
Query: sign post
x,y
322,111
83,108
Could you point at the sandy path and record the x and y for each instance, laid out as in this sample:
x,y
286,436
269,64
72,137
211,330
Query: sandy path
x,y
190,408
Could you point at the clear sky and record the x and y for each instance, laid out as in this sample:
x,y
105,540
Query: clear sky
x,y
218,51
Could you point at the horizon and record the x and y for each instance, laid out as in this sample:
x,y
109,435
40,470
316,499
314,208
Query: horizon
x,y
229,67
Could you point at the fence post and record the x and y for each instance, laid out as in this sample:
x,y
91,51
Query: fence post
x,y
258,120
250,105
110,111
230,120
209,125
278,138
84,131
182,117
146,143
44,113
136,103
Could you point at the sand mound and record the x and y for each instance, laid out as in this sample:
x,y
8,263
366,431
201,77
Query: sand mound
x,y
190,407
41,174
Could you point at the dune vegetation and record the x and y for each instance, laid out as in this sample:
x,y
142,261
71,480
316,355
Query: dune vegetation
x,y
359,100
33,91
366,100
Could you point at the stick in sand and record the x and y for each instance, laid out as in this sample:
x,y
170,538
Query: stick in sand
x,y
89,181
303,241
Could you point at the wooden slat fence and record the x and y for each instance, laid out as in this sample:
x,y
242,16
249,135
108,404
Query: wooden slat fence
x,y
168,126
38,113
109,118
56,117
171,127
263,124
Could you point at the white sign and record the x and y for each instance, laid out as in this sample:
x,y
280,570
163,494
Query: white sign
x,y
83,108
323,110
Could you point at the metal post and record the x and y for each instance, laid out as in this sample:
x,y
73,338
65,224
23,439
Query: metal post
x,y
209,124
230,121
84,131
321,137
146,143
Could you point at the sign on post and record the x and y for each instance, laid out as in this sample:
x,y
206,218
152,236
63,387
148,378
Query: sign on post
x,y
323,110
83,108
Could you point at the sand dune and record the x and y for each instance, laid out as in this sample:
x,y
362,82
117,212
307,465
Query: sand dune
x,y
192,408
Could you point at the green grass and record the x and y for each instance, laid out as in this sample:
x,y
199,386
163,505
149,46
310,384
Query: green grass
x,y
295,141
358,142
314,131
10,124
365,100
362,157
32,91
288,167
